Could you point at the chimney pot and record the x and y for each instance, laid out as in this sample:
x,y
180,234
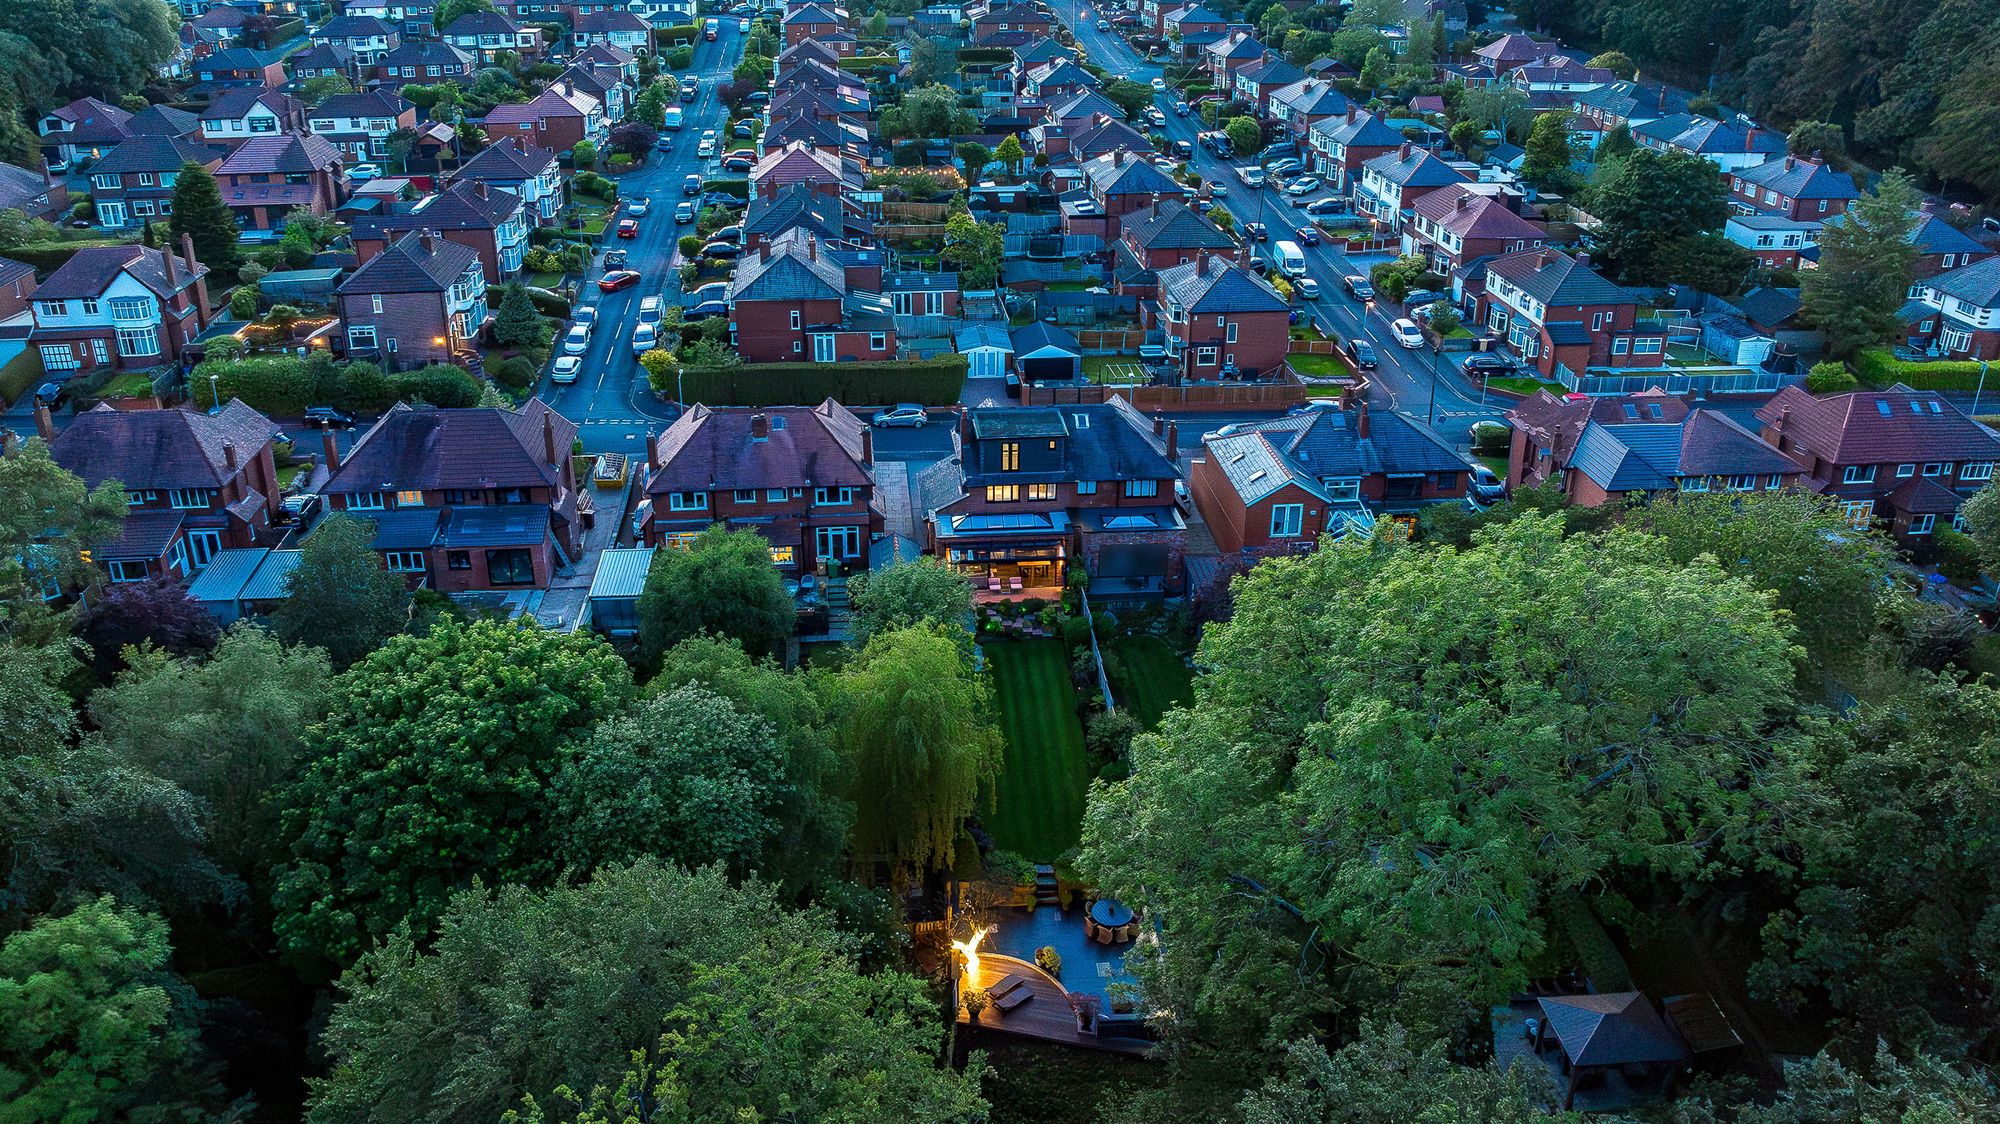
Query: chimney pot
x,y
229,454
329,448
1583,259
1463,199
44,424
187,249
549,438
1174,441
1403,151
1159,423
760,426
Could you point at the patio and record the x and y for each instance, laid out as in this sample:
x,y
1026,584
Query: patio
x,y
1087,968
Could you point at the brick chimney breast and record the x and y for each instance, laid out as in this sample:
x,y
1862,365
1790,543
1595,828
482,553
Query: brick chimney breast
x,y
330,448
1403,152
1361,421
760,426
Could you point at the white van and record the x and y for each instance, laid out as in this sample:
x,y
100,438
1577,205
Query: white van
x,y
1290,260
674,118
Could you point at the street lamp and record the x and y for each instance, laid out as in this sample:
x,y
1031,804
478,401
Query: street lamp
x,y
1430,411
214,392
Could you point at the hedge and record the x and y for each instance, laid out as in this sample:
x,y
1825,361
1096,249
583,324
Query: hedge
x,y
678,33
932,382
985,54
1880,368
867,62
738,188
20,375
284,385
48,256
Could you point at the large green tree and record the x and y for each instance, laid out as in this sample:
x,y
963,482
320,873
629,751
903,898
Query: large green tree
x,y
339,598
48,523
1384,1078
1866,262
1549,163
1651,205
429,770
723,583
909,593
744,1009
917,728
976,249
200,213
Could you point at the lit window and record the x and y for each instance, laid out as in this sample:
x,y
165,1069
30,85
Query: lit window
x,y
409,499
1041,491
680,540
1002,493
784,556
1010,456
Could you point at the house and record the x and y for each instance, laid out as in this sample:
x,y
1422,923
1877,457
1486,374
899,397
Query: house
x,y
195,483
360,124
789,302
493,223
134,183
559,118
463,499
1629,104
834,136
130,306
1060,80
1391,184
1100,136
1729,145
424,61
602,56
602,83
369,37
1560,316
32,193
83,130
332,61
1510,52
267,176
1115,185
801,476
1637,446
1005,25
1254,82
484,35
1302,104
413,16
1553,81
987,348
797,164
1906,458
1273,488
1044,489
1220,319
1172,233
17,320
1191,29
1228,55
807,49
1455,225
921,292
421,300
1083,108
809,23
241,66
1778,242
1793,187
235,115
1339,147
1941,247
522,169
619,29
1963,321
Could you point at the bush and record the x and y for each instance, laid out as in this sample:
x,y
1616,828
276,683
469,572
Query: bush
x,y
1489,439
595,186
439,384
1076,634
243,302
1830,378
361,387
1049,960
515,373
1879,368
274,384
680,58
620,162
1958,557
550,304
20,375
690,245
1109,735
930,382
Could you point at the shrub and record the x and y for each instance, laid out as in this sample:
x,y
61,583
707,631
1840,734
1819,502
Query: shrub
x,y
1076,632
976,1001
274,384
439,384
1830,378
690,245
243,302
1958,557
620,162
1878,367
1110,734
1049,960
514,373
1489,439
20,375
550,304
595,186
361,387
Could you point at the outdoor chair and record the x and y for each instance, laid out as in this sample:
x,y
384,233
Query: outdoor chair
x,y
1013,999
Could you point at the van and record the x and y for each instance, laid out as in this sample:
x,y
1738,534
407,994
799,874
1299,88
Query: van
x,y
674,118
1251,177
1290,260
710,29
650,310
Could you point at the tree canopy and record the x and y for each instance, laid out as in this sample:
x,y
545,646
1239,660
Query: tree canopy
x,y
1866,263
48,523
339,598
909,593
1655,209
724,584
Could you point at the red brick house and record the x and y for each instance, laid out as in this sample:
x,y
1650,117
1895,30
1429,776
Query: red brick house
x,y
799,208
266,177
31,192
1510,52
1636,446
493,223
1005,25
1116,184
129,306
1559,315
1165,234
195,483
789,302
1227,56
534,174
1338,146
1454,225
1794,187
360,124
1964,321
558,119
1221,318
465,499
134,183
1274,488
797,163
333,61
238,114
1905,458
484,35
809,23
17,285
801,476
240,66
421,300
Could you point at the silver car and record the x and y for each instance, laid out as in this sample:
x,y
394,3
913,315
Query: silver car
x,y
903,414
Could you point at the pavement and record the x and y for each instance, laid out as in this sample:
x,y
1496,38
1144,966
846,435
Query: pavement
x,y
1415,383
611,403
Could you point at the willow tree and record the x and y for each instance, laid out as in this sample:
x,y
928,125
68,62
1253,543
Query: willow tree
x,y
917,728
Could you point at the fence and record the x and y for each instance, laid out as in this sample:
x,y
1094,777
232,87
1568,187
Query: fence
x,y
1734,380
1037,224
910,231
1111,342
1274,396
926,212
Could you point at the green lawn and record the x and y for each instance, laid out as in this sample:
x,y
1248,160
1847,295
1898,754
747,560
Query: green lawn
x,y
1114,369
131,384
1318,366
1039,809
1527,386
1147,677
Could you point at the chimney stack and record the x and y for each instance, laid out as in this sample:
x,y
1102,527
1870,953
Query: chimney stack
x,y
1352,112
1542,259
329,448
1159,423
173,269
1361,421
187,249
428,240
229,454
1118,158
549,438
760,426
1403,151
479,188
1201,262
1463,199
812,249
1174,442
44,424
1583,258
867,446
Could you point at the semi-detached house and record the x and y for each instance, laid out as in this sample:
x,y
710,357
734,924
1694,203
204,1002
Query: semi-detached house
x,y
132,307
1392,183
360,124
422,300
134,183
528,171
238,114
1221,319
1562,317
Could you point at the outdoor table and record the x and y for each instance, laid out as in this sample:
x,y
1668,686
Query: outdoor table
x,y
1108,920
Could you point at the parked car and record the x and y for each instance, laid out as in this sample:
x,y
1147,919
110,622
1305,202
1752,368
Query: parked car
x,y
638,205
713,291
722,199
1418,298
1304,185
618,279
1104,25
1407,333
651,310
616,259
902,415
720,249
1258,264
1160,84
706,309
1487,363
1307,288
1307,236
584,314
1284,167
744,128
684,213
1257,231
578,340
628,228
1154,116
743,26
1486,486
362,173
1331,205
1359,286
738,164
298,511
327,417
758,97
566,369
691,184
645,337
728,234
1362,354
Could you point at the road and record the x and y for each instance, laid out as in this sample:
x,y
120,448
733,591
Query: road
x,y
610,401
1406,380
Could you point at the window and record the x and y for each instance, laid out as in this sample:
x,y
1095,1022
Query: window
x,y
134,499
784,556
1772,483
1229,336
59,357
1086,487
1010,456
461,495
409,499
142,207
1648,346
361,337
795,320
1694,483
1002,493
680,540
833,497
404,561
1955,339
432,71
1741,483
1922,524
126,571
838,542
687,501
1204,356
774,495
50,308
1142,487
138,341
1982,470
743,495
1905,471
1041,491
375,303
514,566
1937,468
365,501
1858,512
98,352
191,499
1287,519
1858,474
106,183
1620,346
878,341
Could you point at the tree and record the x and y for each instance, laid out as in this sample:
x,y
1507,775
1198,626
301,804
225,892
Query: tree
x,y
1550,155
402,144
39,716
339,597
764,1013
633,139
1651,205
429,770
94,1027
1866,261
916,726
448,11
683,777
723,583
1817,138
157,613
200,213
1616,145
316,90
1129,96
908,593
1501,108
650,107
517,323
976,248
1820,1090
975,157
1617,62
1245,134
1378,1077
1553,710
1982,522
228,730
48,523
1464,137
1010,152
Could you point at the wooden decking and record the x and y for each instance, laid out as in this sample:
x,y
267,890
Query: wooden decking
x,y
1047,1016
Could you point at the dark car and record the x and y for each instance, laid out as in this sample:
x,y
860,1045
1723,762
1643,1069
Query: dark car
x,y
49,394
327,417
720,249
1257,231
744,128
688,93
1307,236
1327,206
728,234
759,97
616,259
1418,298
706,309
738,164
1362,354
1487,363
691,185
723,199
1359,286
713,291
618,279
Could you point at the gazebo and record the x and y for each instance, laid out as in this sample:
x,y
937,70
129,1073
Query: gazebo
x,y
1618,1031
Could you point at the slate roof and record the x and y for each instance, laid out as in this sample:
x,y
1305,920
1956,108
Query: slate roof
x,y
425,52
788,269
1272,70
1241,45
1556,279
1768,306
1174,225
1512,48
408,265
1977,284
370,103
607,54
1029,338
1626,99
154,154
323,56
458,207
285,153
163,121
1128,173
1362,130
1555,424
1311,97
233,103
234,58
795,206
90,270
161,449
710,448
92,122
1222,287
1413,167
349,27
1109,134
1085,104
1705,136
483,23
811,13
1875,426
1799,177
1312,445
507,160
1470,214
411,449
1616,1029
800,163
551,102
1115,441
1653,456
1063,72
1561,68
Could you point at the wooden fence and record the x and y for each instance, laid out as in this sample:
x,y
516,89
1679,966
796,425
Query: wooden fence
x,y
1273,396
1110,341
930,212
909,232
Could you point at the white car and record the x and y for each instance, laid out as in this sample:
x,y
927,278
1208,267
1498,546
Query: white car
x,y
578,340
743,26
566,369
1307,287
1407,334
637,206
584,314
362,173
644,339
1304,185
650,310
1104,25
1160,84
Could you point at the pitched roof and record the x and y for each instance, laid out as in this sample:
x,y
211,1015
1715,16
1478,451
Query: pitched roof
x,y
1361,130
1875,426
323,56
93,120
1271,70
1977,284
1654,456
1086,103
480,447
425,52
1413,167
710,448
90,270
418,262
1260,458
287,153
1222,286
369,103
1555,278
1111,441
800,163
811,13
1512,48
348,27
795,207
1037,335
233,103
483,23
18,185
163,121
1127,173
154,154
459,206
1617,1029
1705,136
788,269
1554,423
604,23
1311,97
551,102
1471,214
1801,177
507,159
1174,225
1239,45
161,448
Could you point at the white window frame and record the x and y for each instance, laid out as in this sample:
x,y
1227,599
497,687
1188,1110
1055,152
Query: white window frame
x,y
1923,524
190,499
1905,471
743,495
1288,520
367,501
1858,474
687,501
405,561
1975,470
